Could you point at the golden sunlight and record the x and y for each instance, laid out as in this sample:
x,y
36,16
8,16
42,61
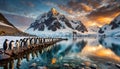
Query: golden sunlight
x,y
86,7
104,20
100,52
54,11
53,61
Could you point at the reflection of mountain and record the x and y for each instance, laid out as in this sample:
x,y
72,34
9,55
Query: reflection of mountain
x,y
100,52
112,43
62,50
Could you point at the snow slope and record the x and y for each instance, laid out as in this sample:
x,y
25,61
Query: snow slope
x,y
112,29
3,24
53,23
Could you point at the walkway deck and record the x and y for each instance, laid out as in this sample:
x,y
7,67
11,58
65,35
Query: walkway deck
x,y
10,54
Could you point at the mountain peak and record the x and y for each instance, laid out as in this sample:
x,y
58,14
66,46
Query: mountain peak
x,y
54,11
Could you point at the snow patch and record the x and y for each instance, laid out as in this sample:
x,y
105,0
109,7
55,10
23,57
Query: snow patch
x,y
3,24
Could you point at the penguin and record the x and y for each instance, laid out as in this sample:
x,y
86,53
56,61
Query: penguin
x,y
5,45
32,41
37,41
11,45
17,44
28,42
24,42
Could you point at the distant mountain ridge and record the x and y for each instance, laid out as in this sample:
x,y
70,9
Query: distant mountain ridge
x,y
93,28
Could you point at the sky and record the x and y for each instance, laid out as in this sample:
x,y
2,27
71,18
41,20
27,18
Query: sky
x,y
89,12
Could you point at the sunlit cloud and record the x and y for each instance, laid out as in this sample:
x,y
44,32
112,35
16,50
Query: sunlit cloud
x,y
92,12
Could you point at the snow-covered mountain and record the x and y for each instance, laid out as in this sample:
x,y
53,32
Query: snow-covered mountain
x,y
21,22
54,22
7,28
112,29
93,28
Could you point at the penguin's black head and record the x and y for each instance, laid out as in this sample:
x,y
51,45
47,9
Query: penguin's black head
x,y
6,39
20,39
16,40
12,41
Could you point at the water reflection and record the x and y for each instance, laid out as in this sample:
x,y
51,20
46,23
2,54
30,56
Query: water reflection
x,y
100,52
74,50
111,43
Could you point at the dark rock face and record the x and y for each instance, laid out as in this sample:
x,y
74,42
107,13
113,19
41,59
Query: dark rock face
x,y
81,28
100,31
54,21
113,25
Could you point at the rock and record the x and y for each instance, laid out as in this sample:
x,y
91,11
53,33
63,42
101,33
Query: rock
x,y
87,63
42,67
117,65
88,68
33,65
92,67
109,63
82,68
66,65
82,64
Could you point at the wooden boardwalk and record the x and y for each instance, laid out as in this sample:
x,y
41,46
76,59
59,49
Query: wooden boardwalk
x,y
11,54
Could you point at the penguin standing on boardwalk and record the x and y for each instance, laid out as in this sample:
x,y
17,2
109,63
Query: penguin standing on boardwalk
x,y
11,45
5,45
24,42
28,42
32,41
17,44
37,41
21,42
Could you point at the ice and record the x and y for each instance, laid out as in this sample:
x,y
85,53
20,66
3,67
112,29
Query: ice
x,y
49,33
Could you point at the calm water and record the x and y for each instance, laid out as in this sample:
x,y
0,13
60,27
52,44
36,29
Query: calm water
x,y
73,53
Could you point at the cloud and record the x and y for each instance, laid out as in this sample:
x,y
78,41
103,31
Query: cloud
x,y
48,3
28,3
79,6
31,4
92,12
104,14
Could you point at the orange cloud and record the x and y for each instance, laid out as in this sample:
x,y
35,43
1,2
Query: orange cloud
x,y
104,20
92,12
86,7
